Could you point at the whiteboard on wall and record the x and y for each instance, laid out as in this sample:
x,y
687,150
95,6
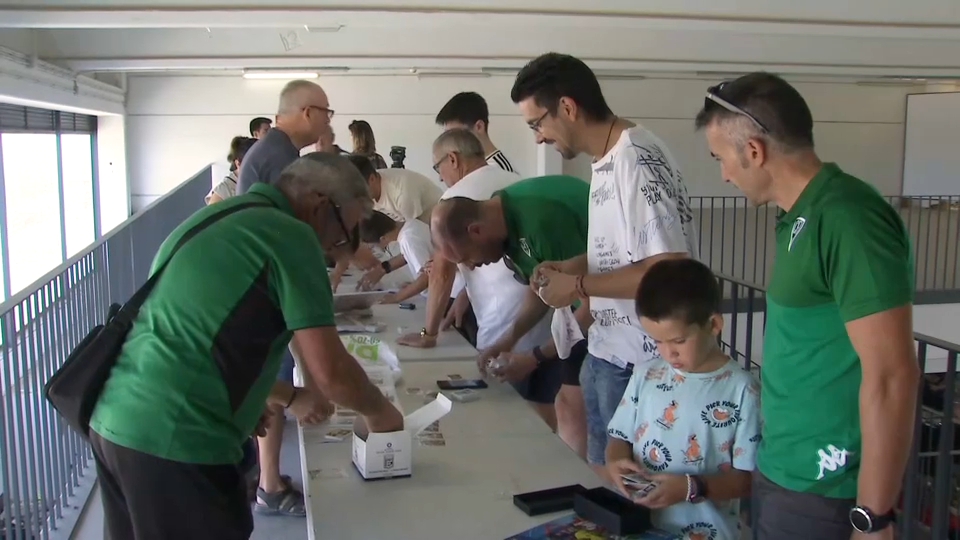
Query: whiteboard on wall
x,y
931,152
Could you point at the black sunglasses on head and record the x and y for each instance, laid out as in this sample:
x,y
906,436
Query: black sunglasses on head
x,y
713,96
517,275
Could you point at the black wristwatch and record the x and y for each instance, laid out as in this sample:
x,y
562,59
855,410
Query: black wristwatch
x,y
386,266
865,521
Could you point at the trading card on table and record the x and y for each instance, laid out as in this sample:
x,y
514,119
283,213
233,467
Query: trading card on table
x,y
413,390
455,377
430,435
432,428
433,442
327,474
338,433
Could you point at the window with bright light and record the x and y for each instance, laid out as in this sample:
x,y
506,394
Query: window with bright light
x,y
49,192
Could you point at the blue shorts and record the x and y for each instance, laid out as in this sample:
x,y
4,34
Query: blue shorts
x,y
603,385
286,367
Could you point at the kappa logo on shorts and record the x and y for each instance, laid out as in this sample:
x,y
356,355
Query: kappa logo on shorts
x,y
656,455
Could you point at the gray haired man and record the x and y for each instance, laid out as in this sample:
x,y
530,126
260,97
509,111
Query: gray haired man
x,y
201,360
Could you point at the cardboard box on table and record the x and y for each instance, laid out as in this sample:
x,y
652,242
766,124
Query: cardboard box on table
x,y
389,455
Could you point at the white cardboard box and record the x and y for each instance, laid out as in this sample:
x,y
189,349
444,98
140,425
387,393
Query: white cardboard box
x,y
389,455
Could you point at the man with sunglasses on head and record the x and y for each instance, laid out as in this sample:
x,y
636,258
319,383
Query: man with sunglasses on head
x,y
303,115
840,374
530,222
638,215
201,359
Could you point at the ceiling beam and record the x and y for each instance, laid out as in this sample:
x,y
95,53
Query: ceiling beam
x,y
120,64
326,18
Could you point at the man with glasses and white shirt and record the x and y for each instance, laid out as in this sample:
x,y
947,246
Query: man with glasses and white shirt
x,y
638,215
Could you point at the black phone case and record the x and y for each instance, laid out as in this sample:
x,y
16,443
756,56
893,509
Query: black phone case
x,y
476,384
548,501
615,513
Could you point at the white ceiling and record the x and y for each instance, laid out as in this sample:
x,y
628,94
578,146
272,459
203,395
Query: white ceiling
x,y
859,38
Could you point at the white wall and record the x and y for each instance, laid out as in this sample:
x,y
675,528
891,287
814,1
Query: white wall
x,y
178,124
112,168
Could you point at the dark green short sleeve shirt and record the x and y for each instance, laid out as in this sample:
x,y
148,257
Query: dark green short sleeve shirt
x,y
203,354
546,220
843,253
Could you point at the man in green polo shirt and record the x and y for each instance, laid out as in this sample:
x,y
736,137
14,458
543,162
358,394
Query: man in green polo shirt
x,y
839,372
197,368
532,221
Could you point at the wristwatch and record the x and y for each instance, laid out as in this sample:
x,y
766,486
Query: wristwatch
x,y
865,521
386,266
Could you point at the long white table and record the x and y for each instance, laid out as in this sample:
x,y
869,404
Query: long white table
x,y
495,448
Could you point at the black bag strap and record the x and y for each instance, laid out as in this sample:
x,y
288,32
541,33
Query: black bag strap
x,y
131,308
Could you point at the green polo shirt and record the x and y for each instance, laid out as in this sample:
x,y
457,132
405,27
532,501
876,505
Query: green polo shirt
x,y
198,364
843,253
546,220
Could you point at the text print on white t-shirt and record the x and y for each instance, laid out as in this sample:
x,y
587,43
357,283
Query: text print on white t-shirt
x,y
638,209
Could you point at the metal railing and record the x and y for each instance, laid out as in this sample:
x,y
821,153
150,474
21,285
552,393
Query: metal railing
x,y
930,497
45,468
738,239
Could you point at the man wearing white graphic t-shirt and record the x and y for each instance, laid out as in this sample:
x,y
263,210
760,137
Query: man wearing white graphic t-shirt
x,y
496,296
639,215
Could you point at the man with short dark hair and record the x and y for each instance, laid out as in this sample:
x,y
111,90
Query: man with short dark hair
x,y
468,110
639,215
259,127
403,195
840,375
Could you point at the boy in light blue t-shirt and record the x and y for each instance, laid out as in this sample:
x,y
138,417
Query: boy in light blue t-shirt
x,y
689,421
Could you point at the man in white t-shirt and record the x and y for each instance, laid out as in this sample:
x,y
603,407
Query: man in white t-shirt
x,y
416,248
639,215
496,296
403,195
468,110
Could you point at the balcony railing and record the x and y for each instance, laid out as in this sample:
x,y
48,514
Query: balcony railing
x,y
46,470
930,498
737,239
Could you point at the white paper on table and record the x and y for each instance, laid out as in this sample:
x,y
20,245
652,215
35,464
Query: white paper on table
x,y
565,331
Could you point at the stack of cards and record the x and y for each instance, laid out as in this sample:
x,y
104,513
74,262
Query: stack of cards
x,y
431,436
637,485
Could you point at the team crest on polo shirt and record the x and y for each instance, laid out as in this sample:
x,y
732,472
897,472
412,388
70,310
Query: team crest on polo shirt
x,y
525,247
795,231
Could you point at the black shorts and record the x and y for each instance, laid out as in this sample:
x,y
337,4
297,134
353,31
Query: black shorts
x,y
468,326
543,383
573,363
150,498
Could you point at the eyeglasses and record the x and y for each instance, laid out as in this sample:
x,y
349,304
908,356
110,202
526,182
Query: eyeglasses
x,y
350,237
436,166
536,125
329,112
713,96
517,274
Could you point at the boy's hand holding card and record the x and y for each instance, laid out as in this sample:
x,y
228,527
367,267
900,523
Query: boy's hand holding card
x,y
668,490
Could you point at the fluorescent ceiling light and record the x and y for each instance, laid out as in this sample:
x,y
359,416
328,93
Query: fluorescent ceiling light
x,y
289,75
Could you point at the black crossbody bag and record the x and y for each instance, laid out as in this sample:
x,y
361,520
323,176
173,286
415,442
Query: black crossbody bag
x,y
75,388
